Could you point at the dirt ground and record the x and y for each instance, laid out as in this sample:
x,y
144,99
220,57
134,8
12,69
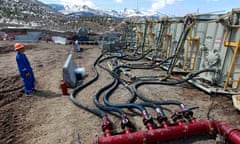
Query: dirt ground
x,y
47,117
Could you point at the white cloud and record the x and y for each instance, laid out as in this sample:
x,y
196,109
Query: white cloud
x,y
170,1
159,4
118,1
78,2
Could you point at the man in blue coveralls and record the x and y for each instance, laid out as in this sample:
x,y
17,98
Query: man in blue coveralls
x,y
24,69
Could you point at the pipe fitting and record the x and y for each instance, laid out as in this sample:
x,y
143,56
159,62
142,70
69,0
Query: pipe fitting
x,y
107,126
177,117
162,119
174,132
188,113
228,132
148,120
126,124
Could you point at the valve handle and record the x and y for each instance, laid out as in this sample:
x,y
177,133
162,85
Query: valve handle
x,y
188,112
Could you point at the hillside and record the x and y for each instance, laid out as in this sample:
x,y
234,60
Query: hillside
x,y
29,13
34,14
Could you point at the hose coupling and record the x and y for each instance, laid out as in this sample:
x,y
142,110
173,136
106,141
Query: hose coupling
x,y
148,120
126,123
161,118
107,126
177,117
187,112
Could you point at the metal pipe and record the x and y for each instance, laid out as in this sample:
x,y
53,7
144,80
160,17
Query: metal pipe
x,y
228,132
174,132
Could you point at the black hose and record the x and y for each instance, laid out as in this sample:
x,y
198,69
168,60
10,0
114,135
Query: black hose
x,y
149,67
134,96
178,49
126,57
118,67
108,92
81,87
167,102
136,59
102,107
189,77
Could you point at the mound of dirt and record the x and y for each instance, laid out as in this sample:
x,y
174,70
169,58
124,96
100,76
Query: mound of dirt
x,y
10,89
14,106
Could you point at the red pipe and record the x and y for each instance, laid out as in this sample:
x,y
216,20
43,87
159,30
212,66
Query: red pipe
x,y
228,132
174,132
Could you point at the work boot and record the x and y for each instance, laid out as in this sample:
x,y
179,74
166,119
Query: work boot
x,y
34,90
30,92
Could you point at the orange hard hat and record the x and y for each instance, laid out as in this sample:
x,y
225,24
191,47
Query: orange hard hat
x,y
18,46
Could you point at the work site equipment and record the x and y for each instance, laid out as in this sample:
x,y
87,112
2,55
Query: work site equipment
x,y
196,42
195,45
71,73
180,127
220,51
63,87
174,132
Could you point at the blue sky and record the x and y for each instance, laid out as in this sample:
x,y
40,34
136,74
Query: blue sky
x,y
168,7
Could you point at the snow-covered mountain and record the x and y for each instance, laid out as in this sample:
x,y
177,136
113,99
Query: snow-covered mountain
x,y
78,10
75,10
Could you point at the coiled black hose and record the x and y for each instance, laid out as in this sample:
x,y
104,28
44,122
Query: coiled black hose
x,y
129,59
81,87
112,88
140,107
167,102
107,94
102,107
134,96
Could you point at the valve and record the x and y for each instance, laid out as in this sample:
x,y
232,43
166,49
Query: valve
x,y
187,112
148,120
161,118
107,126
127,124
177,117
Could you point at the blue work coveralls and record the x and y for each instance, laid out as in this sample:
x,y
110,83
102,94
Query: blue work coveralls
x,y
24,67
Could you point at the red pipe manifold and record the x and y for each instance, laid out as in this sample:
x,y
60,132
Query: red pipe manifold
x,y
174,132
